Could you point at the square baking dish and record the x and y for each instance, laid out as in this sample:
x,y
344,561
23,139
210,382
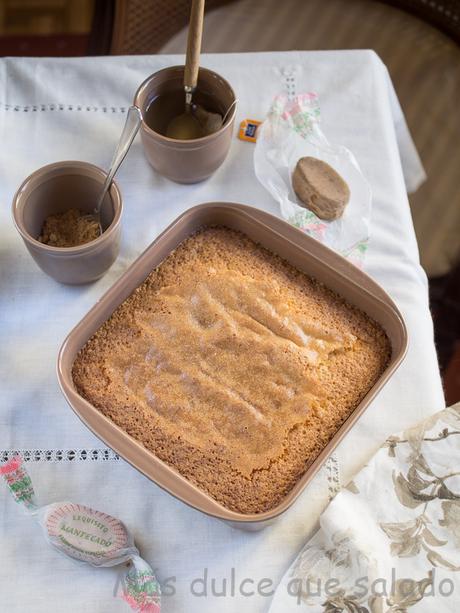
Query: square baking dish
x,y
303,252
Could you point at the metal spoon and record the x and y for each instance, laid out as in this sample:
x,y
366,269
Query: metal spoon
x,y
133,121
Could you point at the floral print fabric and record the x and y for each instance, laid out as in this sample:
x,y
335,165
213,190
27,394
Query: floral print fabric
x,y
390,541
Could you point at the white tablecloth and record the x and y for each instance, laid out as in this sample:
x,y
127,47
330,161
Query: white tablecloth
x,y
54,109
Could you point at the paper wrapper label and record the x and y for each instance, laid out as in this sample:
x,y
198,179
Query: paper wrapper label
x,y
85,534
88,536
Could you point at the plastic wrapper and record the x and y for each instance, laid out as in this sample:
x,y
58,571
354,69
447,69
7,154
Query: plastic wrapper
x,y
88,536
291,131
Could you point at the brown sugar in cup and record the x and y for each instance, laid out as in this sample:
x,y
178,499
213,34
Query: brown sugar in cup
x,y
57,188
186,161
69,229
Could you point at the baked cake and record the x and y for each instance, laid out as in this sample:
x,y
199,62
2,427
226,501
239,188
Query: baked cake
x,y
232,367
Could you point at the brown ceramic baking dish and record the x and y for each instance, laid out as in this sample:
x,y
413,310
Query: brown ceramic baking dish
x,y
306,254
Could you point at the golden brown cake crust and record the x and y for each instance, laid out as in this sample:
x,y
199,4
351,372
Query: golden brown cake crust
x,y
233,367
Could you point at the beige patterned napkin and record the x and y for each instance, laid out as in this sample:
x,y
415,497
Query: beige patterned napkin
x,y
390,541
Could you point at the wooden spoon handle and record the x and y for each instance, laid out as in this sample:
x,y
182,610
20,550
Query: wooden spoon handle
x,y
195,32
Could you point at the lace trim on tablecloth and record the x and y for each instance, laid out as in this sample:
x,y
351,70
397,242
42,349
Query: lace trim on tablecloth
x,y
60,455
32,108
105,454
289,75
332,468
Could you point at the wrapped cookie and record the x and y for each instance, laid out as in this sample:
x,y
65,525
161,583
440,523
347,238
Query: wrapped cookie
x,y
320,188
88,536
317,183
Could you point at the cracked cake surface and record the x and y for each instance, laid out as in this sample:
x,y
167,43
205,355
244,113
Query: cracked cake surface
x,y
232,367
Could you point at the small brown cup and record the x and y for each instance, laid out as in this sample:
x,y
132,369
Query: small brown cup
x,y
54,189
186,161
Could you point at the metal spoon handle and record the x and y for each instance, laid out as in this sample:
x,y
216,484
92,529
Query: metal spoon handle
x,y
227,112
133,121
